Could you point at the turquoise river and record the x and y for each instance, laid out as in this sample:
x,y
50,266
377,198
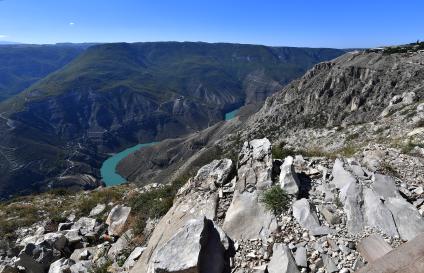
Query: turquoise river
x,y
108,169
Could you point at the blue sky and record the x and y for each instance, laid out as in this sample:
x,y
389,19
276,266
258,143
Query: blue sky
x,y
313,23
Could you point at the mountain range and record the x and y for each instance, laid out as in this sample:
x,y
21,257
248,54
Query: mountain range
x,y
112,96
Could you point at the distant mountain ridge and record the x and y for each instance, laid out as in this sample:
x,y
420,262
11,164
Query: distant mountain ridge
x,y
22,65
117,95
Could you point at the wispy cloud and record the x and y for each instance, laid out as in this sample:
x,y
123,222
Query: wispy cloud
x,y
71,24
2,36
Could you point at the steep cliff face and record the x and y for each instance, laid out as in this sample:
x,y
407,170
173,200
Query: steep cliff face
x,y
117,95
352,89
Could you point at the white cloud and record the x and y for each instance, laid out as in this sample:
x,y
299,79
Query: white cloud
x,y
71,24
3,36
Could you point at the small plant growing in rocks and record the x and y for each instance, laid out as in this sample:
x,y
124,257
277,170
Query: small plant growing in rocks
x,y
275,199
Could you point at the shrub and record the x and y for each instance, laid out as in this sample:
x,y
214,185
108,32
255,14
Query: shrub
x,y
280,151
275,199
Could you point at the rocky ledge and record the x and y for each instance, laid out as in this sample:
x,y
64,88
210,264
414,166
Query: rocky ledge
x,y
336,215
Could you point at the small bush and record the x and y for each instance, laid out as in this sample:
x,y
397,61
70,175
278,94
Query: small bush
x,y
275,199
281,152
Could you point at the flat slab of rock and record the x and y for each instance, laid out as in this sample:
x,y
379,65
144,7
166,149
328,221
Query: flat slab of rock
x,y
373,247
282,260
407,258
377,214
197,247
214,174
97,210
190,204
308,219
117,219
341,177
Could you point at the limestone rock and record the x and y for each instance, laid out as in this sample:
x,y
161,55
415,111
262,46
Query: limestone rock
x,y
97,210
82,267
341,177
214,174
377,214
282,260
288,177
407,218
131,260
121,244
85,225
407,258
195,248
307,218
300,257
62,265
351,196
117,219
247,217
373,247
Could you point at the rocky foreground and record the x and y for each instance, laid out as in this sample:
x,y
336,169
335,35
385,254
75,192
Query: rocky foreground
x,y
339,215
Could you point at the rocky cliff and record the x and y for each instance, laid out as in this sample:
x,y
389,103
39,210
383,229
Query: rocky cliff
x,y
255,214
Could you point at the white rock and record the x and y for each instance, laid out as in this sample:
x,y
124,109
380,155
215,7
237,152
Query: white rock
x,y
282,260
117,219
289,180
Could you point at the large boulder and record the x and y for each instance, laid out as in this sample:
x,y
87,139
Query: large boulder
x,y
373,247
198,247
191,202
307,217
85,225
37,258
282,260
409,223
351,196
247,217
341,177
121,244
62,265
377,214
288,177
117,219
214,174
407,258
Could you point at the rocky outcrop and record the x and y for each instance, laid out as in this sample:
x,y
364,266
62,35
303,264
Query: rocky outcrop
x,y
253,177
282,260
192,203
408,258
288,177
117,219
197,247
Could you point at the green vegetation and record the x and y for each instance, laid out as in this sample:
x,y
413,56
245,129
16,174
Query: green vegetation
x,y
161,70
101,268
280,151
23,65
275,199
103,196
154,204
